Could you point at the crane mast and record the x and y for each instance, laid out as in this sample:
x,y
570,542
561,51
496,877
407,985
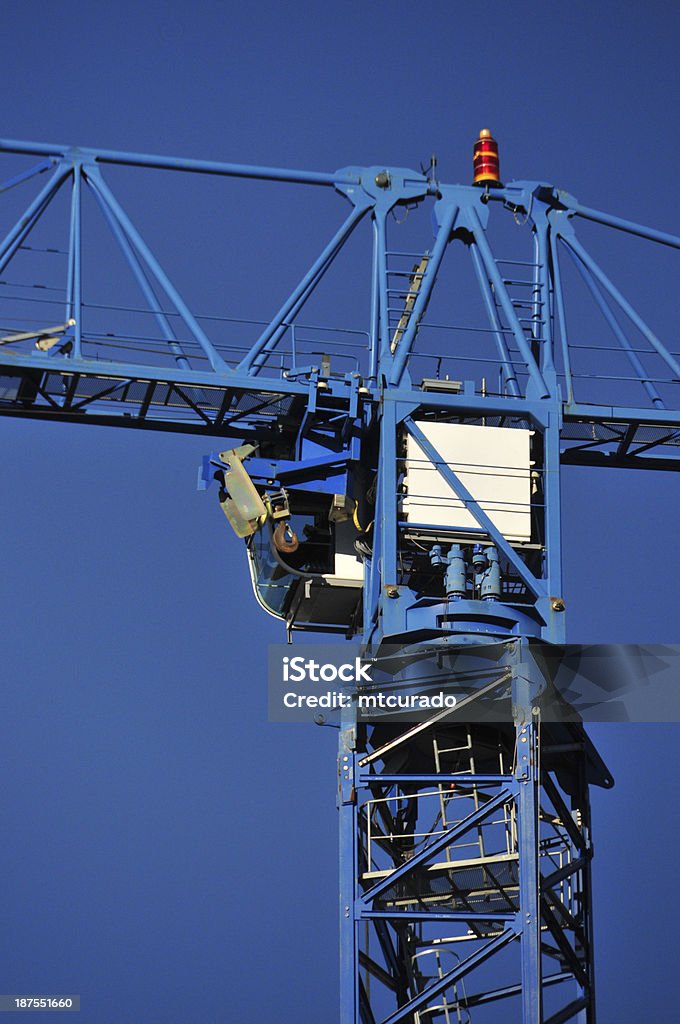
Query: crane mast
x,y
396,480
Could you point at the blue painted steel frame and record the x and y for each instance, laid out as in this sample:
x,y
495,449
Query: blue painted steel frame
x,y
538,388
375,191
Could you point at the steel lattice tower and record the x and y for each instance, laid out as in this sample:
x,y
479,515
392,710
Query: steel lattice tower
x,y
398,483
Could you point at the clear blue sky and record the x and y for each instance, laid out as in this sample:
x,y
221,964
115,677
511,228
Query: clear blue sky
x,y
167,853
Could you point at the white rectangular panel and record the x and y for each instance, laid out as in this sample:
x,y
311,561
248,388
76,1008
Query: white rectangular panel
x,y
493,463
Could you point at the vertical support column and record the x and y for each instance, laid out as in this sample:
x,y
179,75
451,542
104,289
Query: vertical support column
x,y
561,318
348,828
372,583
556,631
374,337
386,520
527,773
380,215
588,1014
543,303
74,305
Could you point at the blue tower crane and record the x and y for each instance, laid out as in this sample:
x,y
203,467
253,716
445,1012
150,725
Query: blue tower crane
x,y
395,479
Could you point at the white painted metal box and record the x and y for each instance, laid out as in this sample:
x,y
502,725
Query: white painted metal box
x,y
494,465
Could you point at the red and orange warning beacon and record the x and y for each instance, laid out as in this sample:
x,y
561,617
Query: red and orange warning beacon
x,y
487,170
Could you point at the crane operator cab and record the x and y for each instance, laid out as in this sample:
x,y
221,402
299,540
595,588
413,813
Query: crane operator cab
x,y
302,535
308,530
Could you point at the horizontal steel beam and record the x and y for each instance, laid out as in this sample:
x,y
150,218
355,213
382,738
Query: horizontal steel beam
x,y
620,414
368,778
434,915
576,457
176,163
